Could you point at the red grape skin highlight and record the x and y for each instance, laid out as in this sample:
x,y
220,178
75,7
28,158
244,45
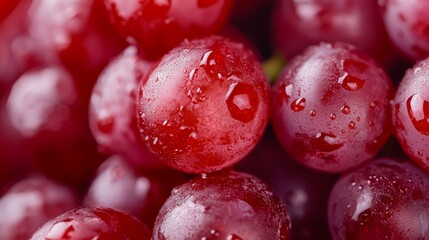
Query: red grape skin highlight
x,y
227,205
330,107
158,26
204,106
383,199
407,23
28,204
410,113
93,223
112,111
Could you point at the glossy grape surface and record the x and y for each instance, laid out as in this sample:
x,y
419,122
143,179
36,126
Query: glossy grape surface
x,y
228,205
299,24
76,32
204,106
383,199
410,109
141,194
30,203
303,191
45,109
330,107
407,23
93,223
157,26
112,112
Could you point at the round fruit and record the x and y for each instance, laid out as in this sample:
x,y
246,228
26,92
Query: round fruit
x,y
228,205
93,223
330,107
204,106
380,200
411,113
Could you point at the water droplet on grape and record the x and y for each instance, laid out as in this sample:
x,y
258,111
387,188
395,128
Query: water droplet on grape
x,y
298,104
345,109
313,113
332,116
352,125
242,101
358,119
326,142
233,237
350,83
373,104
418,112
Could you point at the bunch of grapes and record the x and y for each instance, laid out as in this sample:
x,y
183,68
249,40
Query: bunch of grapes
x,y
214,119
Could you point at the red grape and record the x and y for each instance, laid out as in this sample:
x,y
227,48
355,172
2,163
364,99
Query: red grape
x,y
45,108
204,106
228,205
112,112
118,186
29,204
407,23
411,113
299,24
76,32
330,107
93,223
157,26
383,199
304,192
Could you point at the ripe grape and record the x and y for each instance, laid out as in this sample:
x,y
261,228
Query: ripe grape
x,y
299,24
410,112
157,26
45,109
93,223
29,203
140,194
204,106
303,191
408,26
112,112
383,199
330,107
76,32
229,205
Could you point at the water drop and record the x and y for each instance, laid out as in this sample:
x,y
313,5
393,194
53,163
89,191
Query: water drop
x,y
373,104
233,237
345,109
418,112
298,104
332,116
326,142
242,101
358,119
350,83
313,113
352,125
205,58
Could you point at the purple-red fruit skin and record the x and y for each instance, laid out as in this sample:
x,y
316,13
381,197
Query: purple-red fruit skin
x,y
204,106
228,205
93,223
383,199
112,111
410,113
330,107
28,204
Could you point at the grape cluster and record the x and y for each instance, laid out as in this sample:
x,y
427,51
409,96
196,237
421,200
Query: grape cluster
x,y
214,119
